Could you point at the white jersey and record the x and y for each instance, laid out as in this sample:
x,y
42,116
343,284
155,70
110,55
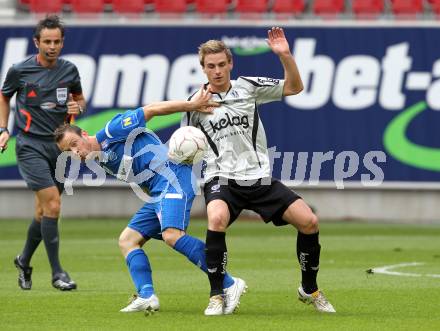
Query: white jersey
x,y
237,140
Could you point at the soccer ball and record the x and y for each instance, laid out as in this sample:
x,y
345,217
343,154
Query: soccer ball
x,y
187,145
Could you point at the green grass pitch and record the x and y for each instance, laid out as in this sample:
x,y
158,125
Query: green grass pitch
x,y
261,254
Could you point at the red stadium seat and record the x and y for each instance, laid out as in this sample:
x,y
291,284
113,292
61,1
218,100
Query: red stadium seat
x,y
407,7
288,6
45,6
251,6
435,6
87,6
167,6
364,8
212,7
128,6
23,4
328,7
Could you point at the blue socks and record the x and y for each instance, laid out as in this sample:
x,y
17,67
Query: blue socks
x,y
140,271
194,250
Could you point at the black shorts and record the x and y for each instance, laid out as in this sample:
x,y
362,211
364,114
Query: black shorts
x,y
37,160
268,197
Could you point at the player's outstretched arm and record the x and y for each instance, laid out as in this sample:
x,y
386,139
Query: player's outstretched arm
x,y
278,43
200,102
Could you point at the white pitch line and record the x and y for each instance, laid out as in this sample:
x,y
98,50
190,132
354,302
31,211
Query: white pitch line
x,y
386,270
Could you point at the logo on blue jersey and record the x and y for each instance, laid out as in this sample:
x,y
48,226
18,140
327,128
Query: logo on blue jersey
x,y
104,144
111,156
129,121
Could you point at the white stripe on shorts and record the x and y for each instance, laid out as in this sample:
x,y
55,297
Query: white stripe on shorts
x,y
173,196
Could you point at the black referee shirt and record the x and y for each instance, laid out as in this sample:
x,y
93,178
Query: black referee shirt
x,y
42,94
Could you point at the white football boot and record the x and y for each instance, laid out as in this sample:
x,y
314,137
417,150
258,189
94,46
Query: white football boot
x,y
215,306
318,300
233,294
148,305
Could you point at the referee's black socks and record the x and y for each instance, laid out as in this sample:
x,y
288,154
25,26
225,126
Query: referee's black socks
x,y
308,251
49,232
33,239
216,259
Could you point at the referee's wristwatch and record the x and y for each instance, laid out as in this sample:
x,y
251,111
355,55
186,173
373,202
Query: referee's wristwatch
x,y
4,130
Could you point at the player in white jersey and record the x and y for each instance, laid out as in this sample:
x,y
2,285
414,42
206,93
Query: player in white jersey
x,y
238,174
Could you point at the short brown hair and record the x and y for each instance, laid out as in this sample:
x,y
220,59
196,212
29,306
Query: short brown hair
x,y
49,22
213,47
62,129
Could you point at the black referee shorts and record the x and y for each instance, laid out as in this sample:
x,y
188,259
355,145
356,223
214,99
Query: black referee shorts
x,y
37,160
268,197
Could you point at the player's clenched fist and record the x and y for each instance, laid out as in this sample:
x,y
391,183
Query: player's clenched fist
x,y
4,137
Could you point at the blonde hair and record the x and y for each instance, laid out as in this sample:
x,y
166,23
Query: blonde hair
x,y
213,47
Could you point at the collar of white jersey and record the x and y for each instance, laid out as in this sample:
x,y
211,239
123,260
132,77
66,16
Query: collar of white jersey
x,y
205,86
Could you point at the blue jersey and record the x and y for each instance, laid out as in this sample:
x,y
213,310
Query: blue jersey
x,y
133,154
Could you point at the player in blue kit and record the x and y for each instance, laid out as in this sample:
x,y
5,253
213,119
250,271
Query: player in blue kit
x,y
128,151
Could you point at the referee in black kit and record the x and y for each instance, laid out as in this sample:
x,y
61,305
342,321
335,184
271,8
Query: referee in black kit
x,y
49,93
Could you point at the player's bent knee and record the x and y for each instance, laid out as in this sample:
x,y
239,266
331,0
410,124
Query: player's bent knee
x,y
52,208
171,235
218,215
311,225
218,222
126,246
314,221
130,240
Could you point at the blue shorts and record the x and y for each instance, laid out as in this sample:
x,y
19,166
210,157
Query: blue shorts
x,y
172,211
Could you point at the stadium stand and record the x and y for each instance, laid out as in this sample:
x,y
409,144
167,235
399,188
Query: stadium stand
x,y
165,6
407,7
129,6
435,6
232,9
87,6
251,6
367,8
288,6
212,7
46,6
328,7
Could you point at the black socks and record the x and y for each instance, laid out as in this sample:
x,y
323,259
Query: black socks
x,y
308,251
49,232
216,259
32,241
